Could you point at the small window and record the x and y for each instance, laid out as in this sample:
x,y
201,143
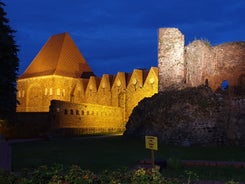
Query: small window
x,y
82,112
23,93
50,91
71,111
46,92
63,92
19,94
77,112
58,92
65,111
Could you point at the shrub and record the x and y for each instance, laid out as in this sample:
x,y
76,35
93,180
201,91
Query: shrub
x,y
7,177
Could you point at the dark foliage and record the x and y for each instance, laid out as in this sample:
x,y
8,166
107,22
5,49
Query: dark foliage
x,y
9,65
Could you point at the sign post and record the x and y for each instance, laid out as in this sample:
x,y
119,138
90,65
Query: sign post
x,y
151,143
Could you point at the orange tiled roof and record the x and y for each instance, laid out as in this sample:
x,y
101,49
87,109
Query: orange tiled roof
x,y
59,56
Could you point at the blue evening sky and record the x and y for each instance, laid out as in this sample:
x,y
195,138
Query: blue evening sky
x,y
121,35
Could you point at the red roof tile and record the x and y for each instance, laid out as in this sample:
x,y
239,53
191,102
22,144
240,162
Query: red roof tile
x,y
59,56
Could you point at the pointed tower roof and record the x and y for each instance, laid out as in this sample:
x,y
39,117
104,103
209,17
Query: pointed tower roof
x,y
59,56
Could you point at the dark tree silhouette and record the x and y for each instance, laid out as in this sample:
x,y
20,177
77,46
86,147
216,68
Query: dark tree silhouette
x,y
9,65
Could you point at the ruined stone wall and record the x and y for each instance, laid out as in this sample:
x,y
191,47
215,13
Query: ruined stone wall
x,y
171,63
200,63
198,55
230,58
215,64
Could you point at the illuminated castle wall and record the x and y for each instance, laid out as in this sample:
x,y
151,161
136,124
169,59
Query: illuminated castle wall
x,y
59,72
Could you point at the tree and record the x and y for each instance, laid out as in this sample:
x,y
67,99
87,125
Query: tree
x,y
9,65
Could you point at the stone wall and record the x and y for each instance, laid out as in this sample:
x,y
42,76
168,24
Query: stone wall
x,y
90,117
123,90
191,116
34,94
230,59
171,63
199,63
198,55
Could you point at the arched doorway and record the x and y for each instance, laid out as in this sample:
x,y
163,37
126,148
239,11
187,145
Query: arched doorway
x,y
34,99
225,85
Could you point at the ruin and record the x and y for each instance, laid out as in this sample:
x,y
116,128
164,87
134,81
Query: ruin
x,y
80,100
59,80
199,63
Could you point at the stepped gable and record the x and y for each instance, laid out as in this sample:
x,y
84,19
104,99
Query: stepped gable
x,y
59,56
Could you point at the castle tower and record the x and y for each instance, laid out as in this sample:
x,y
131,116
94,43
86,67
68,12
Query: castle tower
x,y
171,63
54,74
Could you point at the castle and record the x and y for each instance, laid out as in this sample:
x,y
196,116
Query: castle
x,y
60,82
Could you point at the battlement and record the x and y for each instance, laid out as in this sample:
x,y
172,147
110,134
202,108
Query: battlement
x,y
123,90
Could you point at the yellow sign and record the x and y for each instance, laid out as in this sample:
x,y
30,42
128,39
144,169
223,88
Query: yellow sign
x,y
151,142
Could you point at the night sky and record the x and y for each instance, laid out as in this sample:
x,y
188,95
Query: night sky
x,y
121,35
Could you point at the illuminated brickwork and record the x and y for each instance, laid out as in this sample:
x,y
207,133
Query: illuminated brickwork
x,y
35,94
80,99
84,116
59,72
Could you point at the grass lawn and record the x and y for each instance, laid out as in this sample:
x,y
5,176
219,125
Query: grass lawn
x,y
98,154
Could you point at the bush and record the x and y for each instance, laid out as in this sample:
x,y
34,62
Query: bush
x,y
7,177
75,175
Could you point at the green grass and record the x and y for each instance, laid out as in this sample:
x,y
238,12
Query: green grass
x,y
98,154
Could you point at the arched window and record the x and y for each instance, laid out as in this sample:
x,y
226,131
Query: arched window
x,y
71,111
58,92
65,111
225,85
50,91
46,92
23,93
19,94
77,112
